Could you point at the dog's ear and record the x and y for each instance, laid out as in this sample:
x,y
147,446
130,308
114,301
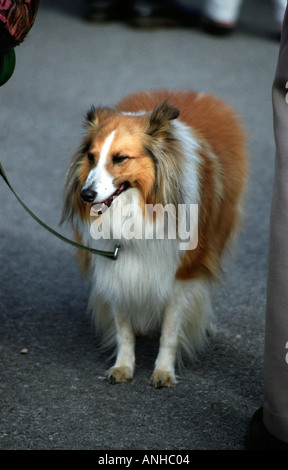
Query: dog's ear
x,y
95,115
160,116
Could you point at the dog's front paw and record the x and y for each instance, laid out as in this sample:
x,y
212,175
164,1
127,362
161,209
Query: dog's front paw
x,y
120,374
163,378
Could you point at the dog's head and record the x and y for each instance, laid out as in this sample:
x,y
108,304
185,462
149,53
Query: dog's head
x,y
124,150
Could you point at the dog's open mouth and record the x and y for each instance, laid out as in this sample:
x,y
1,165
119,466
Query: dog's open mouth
x,y
100,207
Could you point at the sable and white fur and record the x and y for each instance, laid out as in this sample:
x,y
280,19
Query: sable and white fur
x,y
157,147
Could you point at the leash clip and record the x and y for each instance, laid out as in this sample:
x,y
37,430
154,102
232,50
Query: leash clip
x,y
116,250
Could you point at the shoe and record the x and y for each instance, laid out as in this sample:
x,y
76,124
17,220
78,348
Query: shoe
x,y
217,28
155,14
259,438
104,11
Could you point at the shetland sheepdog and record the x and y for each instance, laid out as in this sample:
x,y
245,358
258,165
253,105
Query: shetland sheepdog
x,y
142,164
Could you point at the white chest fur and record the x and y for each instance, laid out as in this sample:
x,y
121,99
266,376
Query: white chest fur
x,y
140,281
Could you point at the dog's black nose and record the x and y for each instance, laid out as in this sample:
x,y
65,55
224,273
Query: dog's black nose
x,y
88,195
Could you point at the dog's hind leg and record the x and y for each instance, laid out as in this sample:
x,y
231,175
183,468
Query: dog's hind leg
x,y
123,369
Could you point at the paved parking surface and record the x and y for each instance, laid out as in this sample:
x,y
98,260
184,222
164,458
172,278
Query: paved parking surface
x,y
54,396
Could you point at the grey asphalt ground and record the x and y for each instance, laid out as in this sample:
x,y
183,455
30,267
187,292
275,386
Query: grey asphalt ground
x,y
55,396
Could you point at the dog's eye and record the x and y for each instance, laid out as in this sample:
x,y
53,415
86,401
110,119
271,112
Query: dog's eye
x,y
90,157
118,159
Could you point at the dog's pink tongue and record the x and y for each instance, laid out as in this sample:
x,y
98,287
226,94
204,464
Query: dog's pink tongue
x,y
97,209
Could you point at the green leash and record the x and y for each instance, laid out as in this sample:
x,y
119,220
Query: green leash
x,y
108,254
